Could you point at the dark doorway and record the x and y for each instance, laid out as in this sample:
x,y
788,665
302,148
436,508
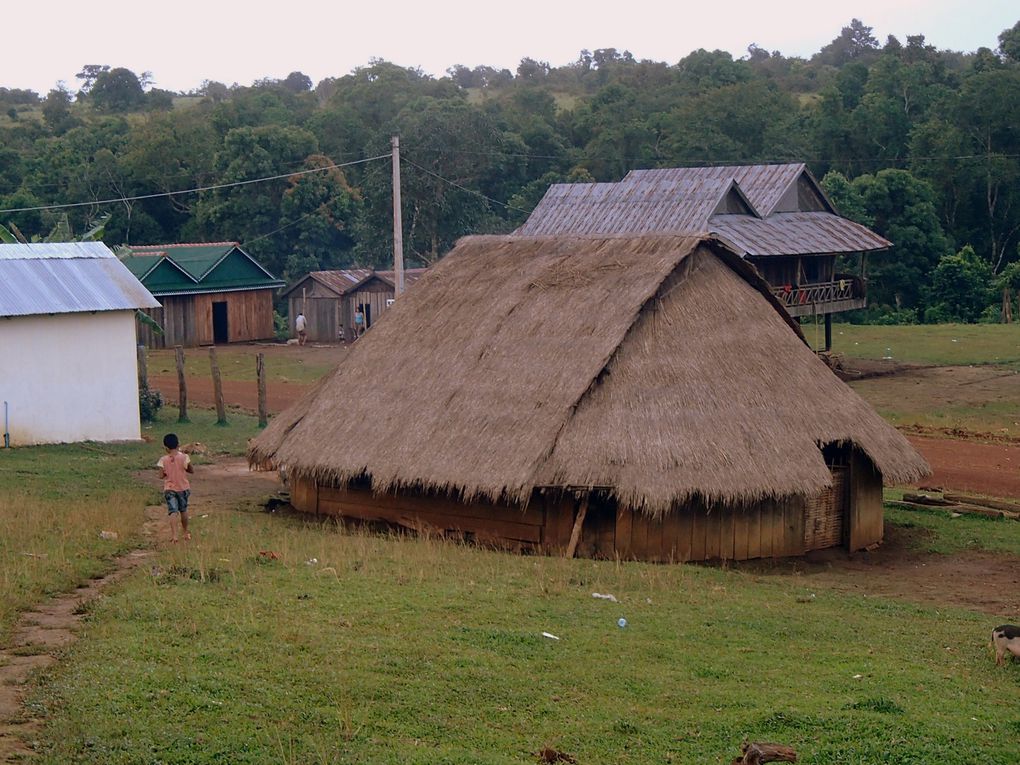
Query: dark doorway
x,y
219,323
368,315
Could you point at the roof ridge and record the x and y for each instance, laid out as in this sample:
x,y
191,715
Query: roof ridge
x,y
182,244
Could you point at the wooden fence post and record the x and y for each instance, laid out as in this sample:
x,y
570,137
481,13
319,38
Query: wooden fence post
x,y
182,386
260,372
217,384
575,533
143,368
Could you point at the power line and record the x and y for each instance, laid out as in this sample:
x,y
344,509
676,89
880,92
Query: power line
x,y
195,190
465,188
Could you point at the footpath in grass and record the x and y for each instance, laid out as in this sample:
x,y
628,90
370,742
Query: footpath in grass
x,y
55,500
352,648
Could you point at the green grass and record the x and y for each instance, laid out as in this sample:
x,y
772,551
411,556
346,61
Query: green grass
x,y
392,650
238,363
54,501
936,532
940,344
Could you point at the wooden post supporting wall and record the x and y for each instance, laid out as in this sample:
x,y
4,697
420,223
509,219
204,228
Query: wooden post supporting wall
x,y
575,534
217,383
182,386
260,373
143,368
828,332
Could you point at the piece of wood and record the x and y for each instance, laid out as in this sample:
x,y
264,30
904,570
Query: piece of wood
x,y
755,753
924,499
182,386
998,504
217,383
575,534
143,368
624,525
699,522
260,373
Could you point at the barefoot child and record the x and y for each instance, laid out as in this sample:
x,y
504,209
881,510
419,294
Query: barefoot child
x,y
174,467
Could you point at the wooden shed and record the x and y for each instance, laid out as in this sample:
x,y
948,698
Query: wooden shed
x,y
330,299
778,217
212,292
648,392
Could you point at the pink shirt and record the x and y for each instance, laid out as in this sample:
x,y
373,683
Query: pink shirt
x,y
175,466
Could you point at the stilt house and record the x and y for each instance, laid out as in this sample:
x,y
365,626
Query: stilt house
x,y
646,397
213,292
776,216
329,300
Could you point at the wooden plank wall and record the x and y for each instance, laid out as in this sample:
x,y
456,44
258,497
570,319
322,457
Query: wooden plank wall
x,y
771,529
867,515
478,520
187,319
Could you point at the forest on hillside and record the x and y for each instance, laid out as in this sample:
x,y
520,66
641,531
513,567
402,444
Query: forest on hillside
x,y
920,144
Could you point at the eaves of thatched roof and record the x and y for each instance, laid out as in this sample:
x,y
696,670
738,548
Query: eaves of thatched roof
x,y
657,368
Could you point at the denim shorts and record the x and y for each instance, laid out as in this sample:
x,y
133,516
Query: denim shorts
x,y
176,501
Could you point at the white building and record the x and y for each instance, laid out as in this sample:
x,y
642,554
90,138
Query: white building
x,y
68,364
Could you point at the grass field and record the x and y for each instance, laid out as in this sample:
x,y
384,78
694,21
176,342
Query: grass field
x,y
392,649
941,344
54,501
395,650
284,363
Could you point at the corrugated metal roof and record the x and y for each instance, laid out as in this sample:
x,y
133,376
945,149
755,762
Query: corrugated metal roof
x,y
798,233
764,185
55,250
635,207
76,277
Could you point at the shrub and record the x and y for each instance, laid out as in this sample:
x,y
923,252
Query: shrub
x,y
149,402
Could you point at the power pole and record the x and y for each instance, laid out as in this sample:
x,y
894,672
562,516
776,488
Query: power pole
x,y
398,229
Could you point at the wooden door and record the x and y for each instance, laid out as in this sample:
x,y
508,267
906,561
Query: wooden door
x,y
825,514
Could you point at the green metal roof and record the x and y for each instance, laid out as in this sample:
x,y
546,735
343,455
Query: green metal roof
x,y
208,267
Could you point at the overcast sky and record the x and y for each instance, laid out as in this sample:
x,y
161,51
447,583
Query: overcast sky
x,y
187,41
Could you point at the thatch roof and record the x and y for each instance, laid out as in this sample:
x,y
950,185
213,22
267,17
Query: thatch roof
x,y
656,368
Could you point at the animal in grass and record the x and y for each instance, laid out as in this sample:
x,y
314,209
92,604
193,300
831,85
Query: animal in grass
x,y
1006,638
195,448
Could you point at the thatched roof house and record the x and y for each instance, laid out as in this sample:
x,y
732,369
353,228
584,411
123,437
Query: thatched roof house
x,y
652,384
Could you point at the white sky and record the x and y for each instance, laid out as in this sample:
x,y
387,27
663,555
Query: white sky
x,y
187,41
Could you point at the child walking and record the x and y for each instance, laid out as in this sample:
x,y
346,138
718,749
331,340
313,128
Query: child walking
x,y
174,467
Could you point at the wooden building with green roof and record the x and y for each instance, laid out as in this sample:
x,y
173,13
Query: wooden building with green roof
x,y
212,292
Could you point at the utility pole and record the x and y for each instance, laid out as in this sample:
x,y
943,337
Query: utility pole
x,y
398,228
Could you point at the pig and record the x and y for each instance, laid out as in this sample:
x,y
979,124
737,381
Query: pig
x,y
1006,639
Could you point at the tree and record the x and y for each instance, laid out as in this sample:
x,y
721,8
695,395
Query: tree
x,y
56,111
1009,42
962,288
88,76
903,210
297,82
116,90
855,42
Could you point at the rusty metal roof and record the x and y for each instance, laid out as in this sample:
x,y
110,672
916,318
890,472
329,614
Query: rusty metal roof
x,y
764,185
345,280
796,233
74,277
735,202
636,207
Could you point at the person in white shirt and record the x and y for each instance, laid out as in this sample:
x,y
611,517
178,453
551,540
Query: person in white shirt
x,y
299,325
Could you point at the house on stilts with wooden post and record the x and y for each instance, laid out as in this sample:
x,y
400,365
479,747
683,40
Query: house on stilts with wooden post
x,y
645,397
776,216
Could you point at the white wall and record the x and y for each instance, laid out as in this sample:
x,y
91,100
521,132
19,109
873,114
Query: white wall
x,y
69,377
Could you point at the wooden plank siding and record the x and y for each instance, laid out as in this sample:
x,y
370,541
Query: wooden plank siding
x,y
768,529
187,319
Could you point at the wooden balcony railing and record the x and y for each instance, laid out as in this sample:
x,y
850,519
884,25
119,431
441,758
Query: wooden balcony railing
x,y
842,289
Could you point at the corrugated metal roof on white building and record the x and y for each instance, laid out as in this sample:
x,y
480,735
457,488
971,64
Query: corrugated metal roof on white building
x,y
71,277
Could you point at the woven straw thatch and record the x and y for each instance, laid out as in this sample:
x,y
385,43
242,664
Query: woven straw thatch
x,y
657,368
